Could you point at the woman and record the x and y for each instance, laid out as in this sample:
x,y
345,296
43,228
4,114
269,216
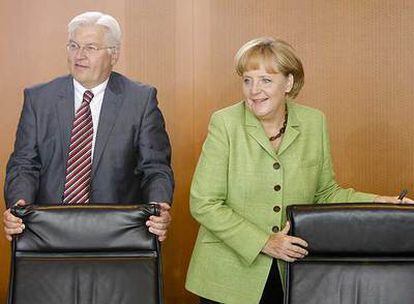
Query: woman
x,y
261,155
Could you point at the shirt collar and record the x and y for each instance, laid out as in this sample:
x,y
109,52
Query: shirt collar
x,y
100,88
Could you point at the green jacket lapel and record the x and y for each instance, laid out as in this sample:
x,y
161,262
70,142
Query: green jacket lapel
x,y
292,129
255,130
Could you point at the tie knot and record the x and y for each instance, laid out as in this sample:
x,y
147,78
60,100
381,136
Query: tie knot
x,y
87,96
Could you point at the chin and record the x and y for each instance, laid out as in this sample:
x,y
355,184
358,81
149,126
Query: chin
x,y
254,111
260,111
80,78
259,114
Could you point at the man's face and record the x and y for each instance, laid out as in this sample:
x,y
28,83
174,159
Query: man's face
x,y
92,63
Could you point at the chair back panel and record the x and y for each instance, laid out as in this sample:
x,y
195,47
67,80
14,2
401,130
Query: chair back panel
x,y
358,253
85,254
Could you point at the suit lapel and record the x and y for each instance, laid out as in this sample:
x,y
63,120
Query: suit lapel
x,y
255,130
65,109
111,105
292,129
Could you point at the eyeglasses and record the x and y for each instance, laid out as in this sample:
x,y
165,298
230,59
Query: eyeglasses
x,y
88,49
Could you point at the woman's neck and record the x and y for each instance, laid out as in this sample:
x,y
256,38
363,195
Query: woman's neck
x,y
275,121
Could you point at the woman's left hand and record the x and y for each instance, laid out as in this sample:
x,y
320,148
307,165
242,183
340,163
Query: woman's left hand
x,y
393,200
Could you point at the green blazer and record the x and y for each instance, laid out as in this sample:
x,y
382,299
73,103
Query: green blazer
x,y
240,191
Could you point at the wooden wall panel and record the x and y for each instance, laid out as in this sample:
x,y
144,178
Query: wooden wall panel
x,y
159,51
358,65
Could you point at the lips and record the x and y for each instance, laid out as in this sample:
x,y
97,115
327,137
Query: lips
x,y
259,100
80,66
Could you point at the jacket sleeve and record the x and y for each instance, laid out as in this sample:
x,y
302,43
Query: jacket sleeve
x,y
328,190
23,168
208,198
154,154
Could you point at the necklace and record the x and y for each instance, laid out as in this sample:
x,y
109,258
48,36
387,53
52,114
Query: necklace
x,y
281,130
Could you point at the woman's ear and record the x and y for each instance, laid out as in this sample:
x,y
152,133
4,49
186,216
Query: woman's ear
x,y
289,83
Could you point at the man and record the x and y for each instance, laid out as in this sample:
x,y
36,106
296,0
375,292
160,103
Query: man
x,y
93,136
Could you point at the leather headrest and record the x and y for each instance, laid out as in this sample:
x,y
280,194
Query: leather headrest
x,y
357,229
71,228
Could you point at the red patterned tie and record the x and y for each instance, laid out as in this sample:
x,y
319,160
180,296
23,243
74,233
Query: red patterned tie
x,y
79,165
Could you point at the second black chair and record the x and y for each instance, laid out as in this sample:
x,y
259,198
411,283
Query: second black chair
x,y
358,254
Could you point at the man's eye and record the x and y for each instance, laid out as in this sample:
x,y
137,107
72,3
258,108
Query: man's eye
x,y
73,46
91,48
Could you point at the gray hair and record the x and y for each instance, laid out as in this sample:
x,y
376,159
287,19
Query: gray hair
x,y
113,35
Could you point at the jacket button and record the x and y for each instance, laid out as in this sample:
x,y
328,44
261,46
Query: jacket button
x,y
275,229
277,187
276,209
276,166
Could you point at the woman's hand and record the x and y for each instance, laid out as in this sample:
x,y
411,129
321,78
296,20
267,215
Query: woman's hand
x,y
392,200
285,247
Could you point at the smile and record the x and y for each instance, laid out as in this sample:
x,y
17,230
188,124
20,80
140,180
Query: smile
x,y
259,100
81,66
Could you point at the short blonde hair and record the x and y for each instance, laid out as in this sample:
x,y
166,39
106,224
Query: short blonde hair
x,y
276,55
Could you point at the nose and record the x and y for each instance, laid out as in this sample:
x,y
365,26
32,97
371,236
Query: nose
x,y
80,54
255,88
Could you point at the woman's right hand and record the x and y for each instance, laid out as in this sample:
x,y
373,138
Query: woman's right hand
x,y
285,247
12,224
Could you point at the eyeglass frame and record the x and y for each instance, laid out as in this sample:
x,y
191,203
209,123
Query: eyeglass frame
x,y
89,48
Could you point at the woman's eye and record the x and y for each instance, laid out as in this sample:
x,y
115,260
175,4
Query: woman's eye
x,y
266,80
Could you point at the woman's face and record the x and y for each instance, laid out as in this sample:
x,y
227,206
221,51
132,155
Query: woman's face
x,y
265,92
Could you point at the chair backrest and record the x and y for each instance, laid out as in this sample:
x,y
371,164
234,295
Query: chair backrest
x,y
85,254
358,254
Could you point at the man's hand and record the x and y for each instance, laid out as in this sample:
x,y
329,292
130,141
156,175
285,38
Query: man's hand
x,y
285,247
12,224
158,225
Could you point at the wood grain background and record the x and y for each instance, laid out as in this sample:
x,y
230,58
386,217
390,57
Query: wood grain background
x,y
358,59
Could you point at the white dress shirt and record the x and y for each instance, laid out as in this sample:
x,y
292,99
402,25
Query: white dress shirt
x,y
96,103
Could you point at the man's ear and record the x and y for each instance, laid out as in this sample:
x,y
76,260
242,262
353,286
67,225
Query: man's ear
x,y
115,56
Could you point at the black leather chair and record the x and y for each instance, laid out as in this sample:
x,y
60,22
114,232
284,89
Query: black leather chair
x,y
358,254
85,254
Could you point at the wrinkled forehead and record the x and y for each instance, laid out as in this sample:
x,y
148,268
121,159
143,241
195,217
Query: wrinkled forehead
x,y
89,34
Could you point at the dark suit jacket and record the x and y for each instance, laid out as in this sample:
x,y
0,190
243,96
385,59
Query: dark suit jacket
x,y
131,162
